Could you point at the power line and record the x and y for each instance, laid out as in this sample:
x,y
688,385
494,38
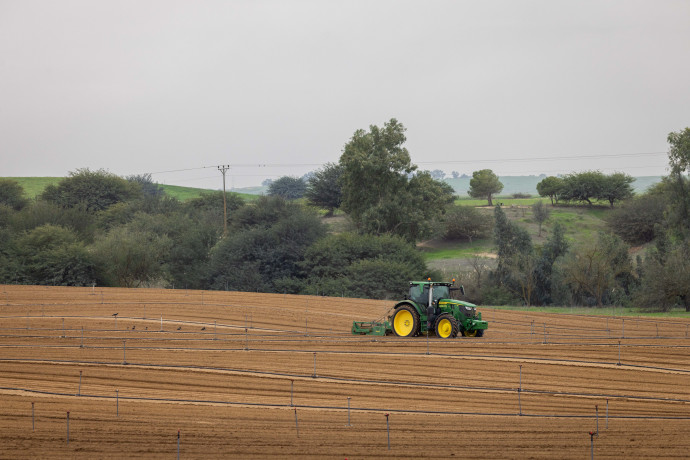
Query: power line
x,y
474,160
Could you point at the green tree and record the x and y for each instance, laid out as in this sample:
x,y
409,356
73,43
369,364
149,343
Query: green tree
x,y
584,187
265,246
636,220
148,186
665,277
555,247
290,188
361,266
679,161
53,255
484,184
466,222
616,187
380,192
595,268
129,257
12,194
550,186
91,190
512,242
324,189
39,213
679,150
540,213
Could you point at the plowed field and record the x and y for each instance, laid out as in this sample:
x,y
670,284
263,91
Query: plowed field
x,y
258,375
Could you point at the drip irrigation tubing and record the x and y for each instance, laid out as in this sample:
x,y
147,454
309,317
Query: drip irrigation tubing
x,y
393,383
340,408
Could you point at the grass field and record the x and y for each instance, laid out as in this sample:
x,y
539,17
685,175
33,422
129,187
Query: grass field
x,y
231,374
34,186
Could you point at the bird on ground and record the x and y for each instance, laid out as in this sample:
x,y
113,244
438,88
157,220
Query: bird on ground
x,y
203,328
133,327
179,328
115,314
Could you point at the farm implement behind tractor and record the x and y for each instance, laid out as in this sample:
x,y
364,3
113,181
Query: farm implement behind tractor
x,y
428,308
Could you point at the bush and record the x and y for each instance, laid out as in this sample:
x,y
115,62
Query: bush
x,y
521,195
635,220
465,222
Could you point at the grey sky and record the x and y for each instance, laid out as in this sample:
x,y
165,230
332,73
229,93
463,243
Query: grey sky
x,y
148,86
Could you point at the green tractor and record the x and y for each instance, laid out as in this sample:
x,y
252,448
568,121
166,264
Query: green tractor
x,y
428,308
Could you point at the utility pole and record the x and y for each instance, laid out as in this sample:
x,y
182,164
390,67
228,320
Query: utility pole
x,y
223,169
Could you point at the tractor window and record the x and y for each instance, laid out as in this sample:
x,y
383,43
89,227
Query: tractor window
x,y
419,294
441,292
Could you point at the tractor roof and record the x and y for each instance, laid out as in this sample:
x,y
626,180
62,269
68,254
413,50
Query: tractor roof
x,y
431,283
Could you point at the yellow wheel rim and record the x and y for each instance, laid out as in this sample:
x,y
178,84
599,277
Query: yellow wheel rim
x,y
471,333
444,328
403,323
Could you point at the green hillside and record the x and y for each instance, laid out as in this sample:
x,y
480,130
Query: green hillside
x,y
34,186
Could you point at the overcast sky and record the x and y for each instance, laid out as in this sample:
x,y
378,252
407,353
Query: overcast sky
x,y
520,87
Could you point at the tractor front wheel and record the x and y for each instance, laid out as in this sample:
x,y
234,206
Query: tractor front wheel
x,y
473,333
446,326
405,321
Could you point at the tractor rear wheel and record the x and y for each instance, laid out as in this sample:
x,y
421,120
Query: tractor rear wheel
x,y
405,321
446,326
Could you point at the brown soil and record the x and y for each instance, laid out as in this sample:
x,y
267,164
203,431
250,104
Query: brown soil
x,y
239,373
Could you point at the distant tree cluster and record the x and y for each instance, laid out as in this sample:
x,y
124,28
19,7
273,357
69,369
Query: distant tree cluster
x,y
587,187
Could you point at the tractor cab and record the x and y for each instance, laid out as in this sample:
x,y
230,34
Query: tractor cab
x,y
428,293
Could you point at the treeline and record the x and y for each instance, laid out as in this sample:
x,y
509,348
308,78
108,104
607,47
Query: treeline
x,y
599,270
94,227
97,228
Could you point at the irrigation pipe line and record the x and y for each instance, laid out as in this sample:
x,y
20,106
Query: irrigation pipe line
x,y
211,336
309,377
583,315
351,301
339,408
320,333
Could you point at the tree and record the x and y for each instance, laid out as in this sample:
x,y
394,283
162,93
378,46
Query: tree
x,y
361,265
12,194
583,187
91,190
541,213
375,168
484,184
130,257
380,192
437,174
455,174
555,247
523,274
53,255
679,150
323,188
512,242
616,187
595,268
267,241
290,188
679,160
636,220
665,278
148,186
550,186
466,222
